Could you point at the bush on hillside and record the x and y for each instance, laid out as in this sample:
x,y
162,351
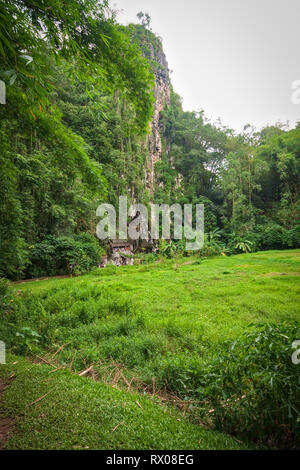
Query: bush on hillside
x,y
6,295
254,389
275,237
64,255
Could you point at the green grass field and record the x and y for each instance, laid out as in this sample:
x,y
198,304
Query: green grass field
x,y
81,414
159,324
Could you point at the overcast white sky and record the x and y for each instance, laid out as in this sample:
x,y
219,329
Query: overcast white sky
x,y
236,59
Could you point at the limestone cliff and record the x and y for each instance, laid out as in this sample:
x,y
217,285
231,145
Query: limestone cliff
x,y
162,97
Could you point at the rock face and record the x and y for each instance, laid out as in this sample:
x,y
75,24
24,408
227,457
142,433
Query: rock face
x,y
121,253
162,98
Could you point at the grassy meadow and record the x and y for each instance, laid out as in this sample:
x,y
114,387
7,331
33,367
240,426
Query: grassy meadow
x,y
149,330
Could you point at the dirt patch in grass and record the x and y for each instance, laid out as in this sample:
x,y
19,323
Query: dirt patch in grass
x,y
49,278
6,424
280,274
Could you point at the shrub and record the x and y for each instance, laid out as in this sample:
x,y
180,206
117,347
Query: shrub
x,y
272,237
254,389
246,243
7,308
171,249
293,237
6,294
213,245
149,258
209,250
64,255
